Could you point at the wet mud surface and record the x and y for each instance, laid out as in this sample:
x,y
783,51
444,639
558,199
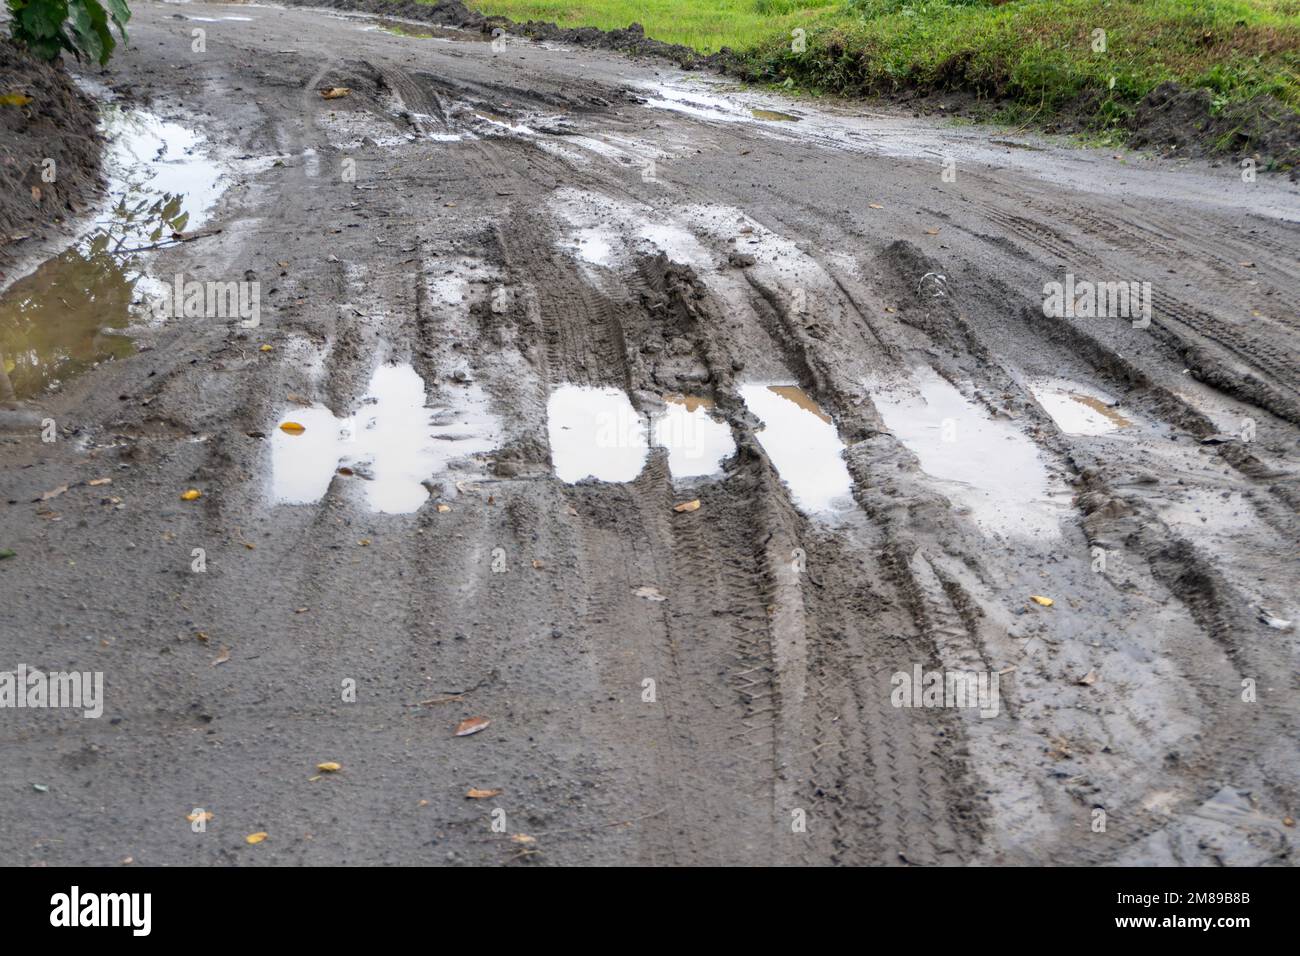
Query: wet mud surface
x,y
662,431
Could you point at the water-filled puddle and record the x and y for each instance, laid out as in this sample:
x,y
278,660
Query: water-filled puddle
x,y
595,433
394,444
803,445
62,318
986,465
1076,409
774,116
697,442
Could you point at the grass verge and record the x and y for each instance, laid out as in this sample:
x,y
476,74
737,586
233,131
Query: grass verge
x,y
1089,62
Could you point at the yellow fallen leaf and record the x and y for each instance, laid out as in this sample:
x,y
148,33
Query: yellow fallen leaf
x,y
335,92
329,766
205,816
443,509
475,794
266,348
687,506
471,725
15,99
292,428
256,838
1039,599
523,838
192,495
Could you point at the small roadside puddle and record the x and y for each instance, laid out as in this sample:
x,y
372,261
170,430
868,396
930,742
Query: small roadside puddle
x,y
597,433
1076,409
394,444
804,446
987,465
68,314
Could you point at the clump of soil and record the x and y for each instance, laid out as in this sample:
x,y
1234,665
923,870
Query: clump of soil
x,y
58,123
1172,118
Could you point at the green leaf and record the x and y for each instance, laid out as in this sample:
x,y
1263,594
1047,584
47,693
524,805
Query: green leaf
x,y
90,23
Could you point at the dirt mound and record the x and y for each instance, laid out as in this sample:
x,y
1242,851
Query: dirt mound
x,y
1174,118
57,123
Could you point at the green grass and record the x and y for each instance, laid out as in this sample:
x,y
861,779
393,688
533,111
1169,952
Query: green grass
x,y
704,25
1036,54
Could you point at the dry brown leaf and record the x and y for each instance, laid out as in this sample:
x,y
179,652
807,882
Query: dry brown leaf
x,y
475,794
222,657
876,205
650,593
335,92
96,482
932,232
537,565
1088,679
687,506
53,493
443,509
471,725
205,816
523,838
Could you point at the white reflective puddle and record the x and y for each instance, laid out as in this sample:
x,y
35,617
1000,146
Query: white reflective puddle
x,y
1076,409
595,433
393,444
986,465
697,442
803,445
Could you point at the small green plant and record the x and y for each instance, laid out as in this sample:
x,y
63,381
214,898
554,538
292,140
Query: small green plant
x,y
81,27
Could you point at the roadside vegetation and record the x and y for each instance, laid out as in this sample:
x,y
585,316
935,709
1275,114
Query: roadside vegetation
x,y
82,27
1090,62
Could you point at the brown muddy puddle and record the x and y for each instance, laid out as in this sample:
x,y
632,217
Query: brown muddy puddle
x,y
597,433
70,313
773,116
803,445
1076,409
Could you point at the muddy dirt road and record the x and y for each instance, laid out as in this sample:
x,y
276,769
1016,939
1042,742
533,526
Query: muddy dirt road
x,y
525,303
